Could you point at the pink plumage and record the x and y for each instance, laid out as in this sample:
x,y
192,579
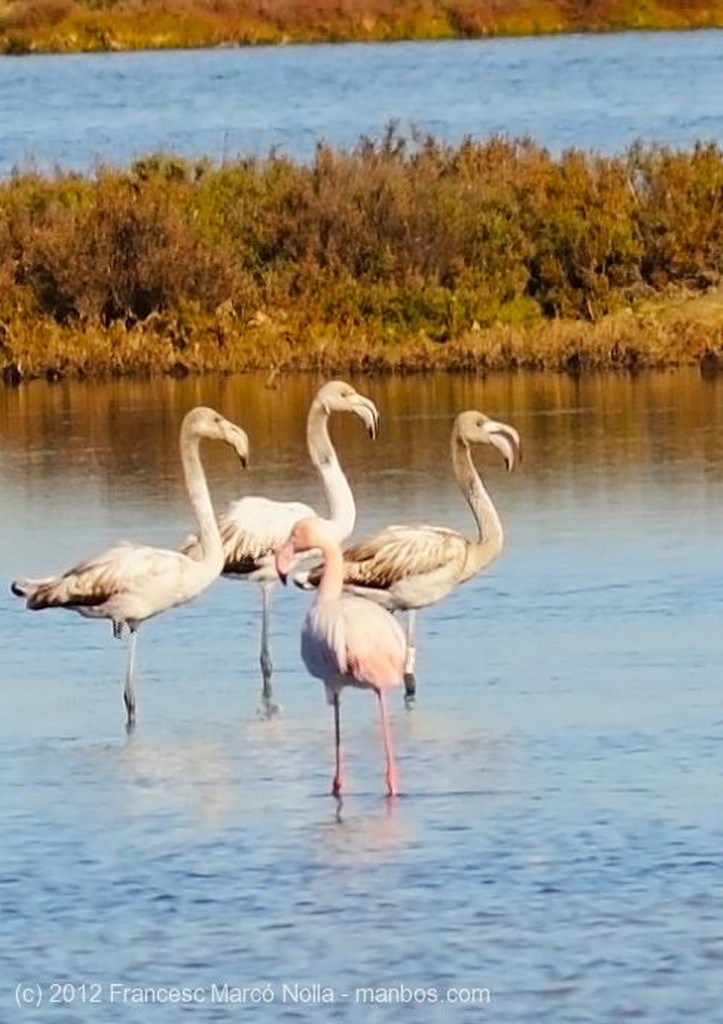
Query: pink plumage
x,y
345,640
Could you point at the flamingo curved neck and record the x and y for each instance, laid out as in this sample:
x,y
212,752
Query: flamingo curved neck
x,y
332,577
489,528
199,497
339,497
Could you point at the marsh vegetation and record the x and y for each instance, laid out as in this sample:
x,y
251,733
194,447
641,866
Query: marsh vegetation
x,y
398,254
65,26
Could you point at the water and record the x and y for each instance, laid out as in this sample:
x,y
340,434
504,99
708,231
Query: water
x,y
556,850
593,92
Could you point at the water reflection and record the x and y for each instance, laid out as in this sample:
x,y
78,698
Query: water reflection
x,y
120,439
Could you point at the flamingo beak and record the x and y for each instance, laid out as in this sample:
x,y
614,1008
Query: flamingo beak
x,y
368,412
507,441
284,560
238,439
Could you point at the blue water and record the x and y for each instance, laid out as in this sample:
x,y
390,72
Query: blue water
x,y
556,850
594,92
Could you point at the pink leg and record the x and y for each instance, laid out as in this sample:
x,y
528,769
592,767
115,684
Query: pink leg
x,y
390,773
336,782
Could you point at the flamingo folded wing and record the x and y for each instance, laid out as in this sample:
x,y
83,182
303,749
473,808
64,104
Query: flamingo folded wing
x,y
127,581
352,641
402,551
251,529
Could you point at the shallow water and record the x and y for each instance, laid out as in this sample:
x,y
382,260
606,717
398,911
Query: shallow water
x,y
555,853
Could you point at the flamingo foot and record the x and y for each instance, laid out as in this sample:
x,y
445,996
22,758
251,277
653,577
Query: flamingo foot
x,y
336,786
268,708
410,689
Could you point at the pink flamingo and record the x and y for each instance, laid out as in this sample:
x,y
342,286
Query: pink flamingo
x,y
345,640
403,568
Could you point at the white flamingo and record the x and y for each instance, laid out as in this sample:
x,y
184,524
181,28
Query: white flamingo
x,y
345,640
404,568
130,583
252,528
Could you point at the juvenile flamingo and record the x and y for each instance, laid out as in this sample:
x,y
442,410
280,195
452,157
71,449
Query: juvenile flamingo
x,y
252,528
130,583
403,568
345,640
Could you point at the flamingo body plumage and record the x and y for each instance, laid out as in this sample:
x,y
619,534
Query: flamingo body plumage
x,y
345,640
404,568
130,583
252,528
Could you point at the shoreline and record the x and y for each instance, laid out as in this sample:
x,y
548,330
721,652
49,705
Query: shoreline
x,y
623,343
80,26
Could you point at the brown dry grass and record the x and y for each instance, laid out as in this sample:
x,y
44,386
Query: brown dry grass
x,y
660,337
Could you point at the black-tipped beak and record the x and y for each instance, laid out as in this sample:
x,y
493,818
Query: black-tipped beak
x,y
284,577
374,429
367,411
507,441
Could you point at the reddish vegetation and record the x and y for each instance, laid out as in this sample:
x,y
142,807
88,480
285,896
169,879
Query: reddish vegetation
x,y
72,25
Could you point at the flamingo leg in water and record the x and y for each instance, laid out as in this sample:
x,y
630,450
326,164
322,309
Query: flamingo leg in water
x,y
390,775
265,656
410,682
268,707
129,696
336,781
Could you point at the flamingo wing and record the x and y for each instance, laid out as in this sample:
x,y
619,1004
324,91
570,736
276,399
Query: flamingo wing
x,y
397,553
350,640
152,574
251,529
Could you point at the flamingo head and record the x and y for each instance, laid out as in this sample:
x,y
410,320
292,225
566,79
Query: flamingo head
x,y
205,422
308,534
338,396
474,427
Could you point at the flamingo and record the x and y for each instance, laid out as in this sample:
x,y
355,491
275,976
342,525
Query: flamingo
x,y
253,527
130,583
403,568
345,640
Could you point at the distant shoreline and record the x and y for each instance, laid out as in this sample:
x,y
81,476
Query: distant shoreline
x,y
81,26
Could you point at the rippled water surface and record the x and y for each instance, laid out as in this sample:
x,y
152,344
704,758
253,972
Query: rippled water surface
x,y
556,850
595,92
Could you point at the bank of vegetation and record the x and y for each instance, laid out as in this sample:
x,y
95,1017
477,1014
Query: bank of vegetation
x,y
63,26
401,254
